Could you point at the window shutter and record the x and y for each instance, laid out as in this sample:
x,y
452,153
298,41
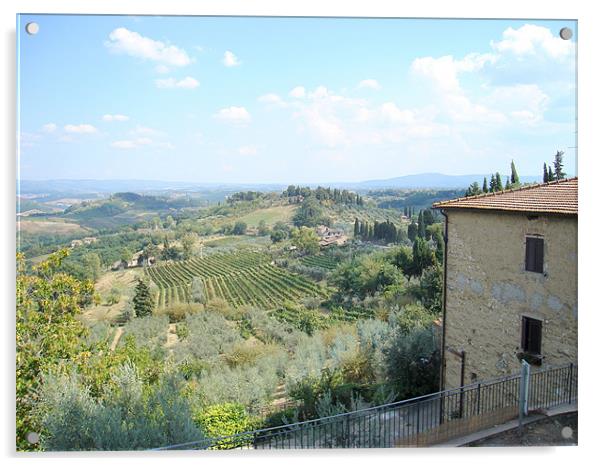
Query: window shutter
x,y
535,336
539,255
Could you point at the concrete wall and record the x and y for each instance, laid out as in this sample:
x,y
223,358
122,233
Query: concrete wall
x,y
488,292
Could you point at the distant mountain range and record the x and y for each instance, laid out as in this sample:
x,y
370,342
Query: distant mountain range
x,y
434,180
419,181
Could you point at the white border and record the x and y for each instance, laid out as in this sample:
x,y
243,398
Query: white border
x,y
589,81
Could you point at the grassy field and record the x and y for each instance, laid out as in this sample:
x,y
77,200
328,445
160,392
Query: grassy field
x,y
49,227
124,281
271,215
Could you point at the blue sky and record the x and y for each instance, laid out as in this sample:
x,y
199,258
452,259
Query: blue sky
x,y
291,100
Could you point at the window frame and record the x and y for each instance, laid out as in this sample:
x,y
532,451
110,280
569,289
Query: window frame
x,y
528,325
534,250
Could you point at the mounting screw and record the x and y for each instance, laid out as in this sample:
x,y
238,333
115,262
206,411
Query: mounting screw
x,y
32,28
566,33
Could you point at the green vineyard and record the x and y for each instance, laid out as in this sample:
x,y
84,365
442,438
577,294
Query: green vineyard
x,y
246,278
320,260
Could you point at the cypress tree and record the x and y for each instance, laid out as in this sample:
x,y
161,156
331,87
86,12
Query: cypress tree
x,y
421,227
143,301
550,173
485,184
492,184
498,181
514,174
356,228
507,183
545,173
558,165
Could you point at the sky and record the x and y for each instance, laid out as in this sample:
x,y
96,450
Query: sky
x,y
291,100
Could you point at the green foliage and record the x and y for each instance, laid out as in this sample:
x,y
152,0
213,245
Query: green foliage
x,y
128,415
412,361
197,291
364,276
306,240
514,179
558,166
114,296
310,214
240,228
143,301
412,231
47,329
188,241
225,420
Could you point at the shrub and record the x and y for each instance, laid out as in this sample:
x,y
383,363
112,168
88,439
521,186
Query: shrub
x,y
148,332
209,335
224,420
126,417
412,361
178,312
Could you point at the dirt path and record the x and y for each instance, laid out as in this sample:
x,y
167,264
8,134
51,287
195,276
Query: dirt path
x,y
116,338
172,336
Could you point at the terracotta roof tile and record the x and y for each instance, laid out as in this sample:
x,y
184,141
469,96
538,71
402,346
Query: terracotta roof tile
x,y
556,197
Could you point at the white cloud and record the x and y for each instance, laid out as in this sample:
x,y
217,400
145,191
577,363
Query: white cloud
x,y
171,83
122,40
369,84
394,114
271,99
80,129
233,115
247,150
522,103
297,92
230,59
131,143
531,40
49,128
443,71
116,117
140,130
162,69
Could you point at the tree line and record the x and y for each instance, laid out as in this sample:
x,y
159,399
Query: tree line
x,y
338,196
557,173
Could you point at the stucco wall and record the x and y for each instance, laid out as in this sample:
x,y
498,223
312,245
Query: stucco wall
x,y
488,292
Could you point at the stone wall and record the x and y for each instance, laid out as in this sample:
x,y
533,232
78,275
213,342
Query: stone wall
x,y
488,292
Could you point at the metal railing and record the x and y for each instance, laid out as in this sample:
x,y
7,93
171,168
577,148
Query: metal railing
x,y
421,421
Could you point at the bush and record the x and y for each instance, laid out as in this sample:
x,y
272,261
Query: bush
x,y
412,361
128,416
224,420
209,335
178,312
148,332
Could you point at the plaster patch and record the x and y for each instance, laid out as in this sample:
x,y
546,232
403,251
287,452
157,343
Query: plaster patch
x,y
554,303
536,301
507,292
476,286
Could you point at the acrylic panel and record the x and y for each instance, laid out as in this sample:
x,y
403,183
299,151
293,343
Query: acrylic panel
x,y
295,232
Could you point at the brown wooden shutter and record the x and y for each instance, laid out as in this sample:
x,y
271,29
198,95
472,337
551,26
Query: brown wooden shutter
x,y
534,255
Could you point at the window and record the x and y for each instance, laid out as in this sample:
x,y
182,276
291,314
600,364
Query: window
x,y
534,255
531,336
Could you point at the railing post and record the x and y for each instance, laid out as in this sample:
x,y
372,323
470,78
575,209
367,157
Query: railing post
x,y
478,399
570,382
523,397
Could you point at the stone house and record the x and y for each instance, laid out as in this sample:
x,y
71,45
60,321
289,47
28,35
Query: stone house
x,y
510,281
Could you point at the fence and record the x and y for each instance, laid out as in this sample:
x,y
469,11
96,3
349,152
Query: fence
x,y
422,421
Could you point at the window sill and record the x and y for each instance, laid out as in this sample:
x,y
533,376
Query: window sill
x,y
532,359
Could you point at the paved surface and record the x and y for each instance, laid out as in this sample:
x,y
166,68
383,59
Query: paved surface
x,y
497,430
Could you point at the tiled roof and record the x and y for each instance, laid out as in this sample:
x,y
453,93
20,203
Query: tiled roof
x,y
555,197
